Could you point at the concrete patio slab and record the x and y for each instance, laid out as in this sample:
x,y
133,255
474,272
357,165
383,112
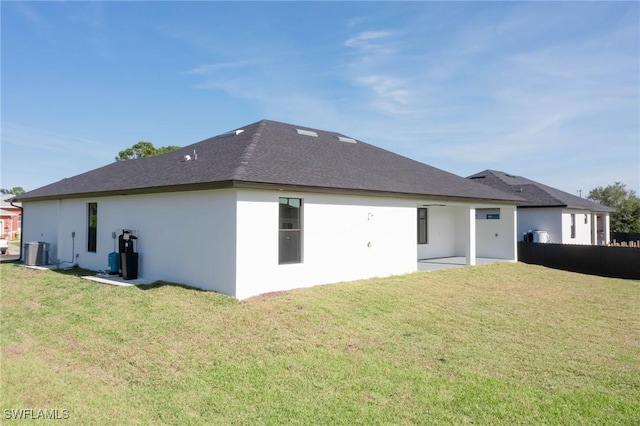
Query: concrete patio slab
x,y
115,280
427,265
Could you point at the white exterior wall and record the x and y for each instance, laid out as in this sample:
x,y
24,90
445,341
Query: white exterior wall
x,y
461,237
447,232
184,237
227,240
557,222
40,223
344,238
583,230
496,238
441,222
542,219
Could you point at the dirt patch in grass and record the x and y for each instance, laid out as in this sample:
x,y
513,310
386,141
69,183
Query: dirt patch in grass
x,y
15,350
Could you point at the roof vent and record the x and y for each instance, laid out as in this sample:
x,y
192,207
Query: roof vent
x,y
346,139
232,133
189,157
307,133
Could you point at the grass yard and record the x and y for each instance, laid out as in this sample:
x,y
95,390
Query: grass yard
x,y
496,344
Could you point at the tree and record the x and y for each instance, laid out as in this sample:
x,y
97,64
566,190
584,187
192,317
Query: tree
x,y
16,190
626,218
143,149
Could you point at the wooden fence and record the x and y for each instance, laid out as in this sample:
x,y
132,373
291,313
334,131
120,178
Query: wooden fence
x,y
615,262
625,238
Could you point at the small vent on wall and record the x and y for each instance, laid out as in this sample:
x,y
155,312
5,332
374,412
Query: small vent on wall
x,y
346,139
307,133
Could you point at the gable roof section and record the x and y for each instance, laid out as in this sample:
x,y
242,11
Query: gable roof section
x,y
538,194
273,154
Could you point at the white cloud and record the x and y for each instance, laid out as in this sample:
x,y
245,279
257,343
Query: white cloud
x,y
199,38
388,88
208,69
366,39
33,153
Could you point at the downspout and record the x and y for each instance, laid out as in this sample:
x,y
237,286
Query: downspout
x,y
21,224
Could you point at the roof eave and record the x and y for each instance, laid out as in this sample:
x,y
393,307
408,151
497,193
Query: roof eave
x,y
269,186
134,191
603,209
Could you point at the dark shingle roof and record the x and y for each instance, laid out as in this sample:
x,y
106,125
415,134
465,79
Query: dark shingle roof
x,y
538,194
273,153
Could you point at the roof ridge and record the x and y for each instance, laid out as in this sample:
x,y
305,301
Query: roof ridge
x,y
552,194
244,158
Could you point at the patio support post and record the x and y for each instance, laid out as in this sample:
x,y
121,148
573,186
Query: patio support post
x,y
607,227
514,228
594,229
471,235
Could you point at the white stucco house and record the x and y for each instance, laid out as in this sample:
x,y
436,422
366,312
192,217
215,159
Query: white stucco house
x,y
268,207
566,218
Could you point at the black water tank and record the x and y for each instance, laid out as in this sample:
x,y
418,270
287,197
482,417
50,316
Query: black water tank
x,y
129,265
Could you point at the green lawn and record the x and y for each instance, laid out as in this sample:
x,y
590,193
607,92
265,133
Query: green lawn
x,y
497,344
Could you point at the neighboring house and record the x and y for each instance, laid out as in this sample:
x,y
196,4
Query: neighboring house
x,y
10,217
567,218
271,206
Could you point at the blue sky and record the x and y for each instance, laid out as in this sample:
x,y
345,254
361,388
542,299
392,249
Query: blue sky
x,y
549,91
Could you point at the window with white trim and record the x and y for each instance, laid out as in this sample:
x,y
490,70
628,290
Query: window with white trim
x,y
92,231
423,226
290,230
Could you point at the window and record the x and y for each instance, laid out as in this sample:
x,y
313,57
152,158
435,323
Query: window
x,y
92,234
573,225
489,214
290,230
423,227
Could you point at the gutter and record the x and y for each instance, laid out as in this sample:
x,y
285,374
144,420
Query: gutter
x,y
602,209
11,201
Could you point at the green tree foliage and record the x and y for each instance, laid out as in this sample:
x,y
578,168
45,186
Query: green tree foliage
x,y
143,149
16,190
627,215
